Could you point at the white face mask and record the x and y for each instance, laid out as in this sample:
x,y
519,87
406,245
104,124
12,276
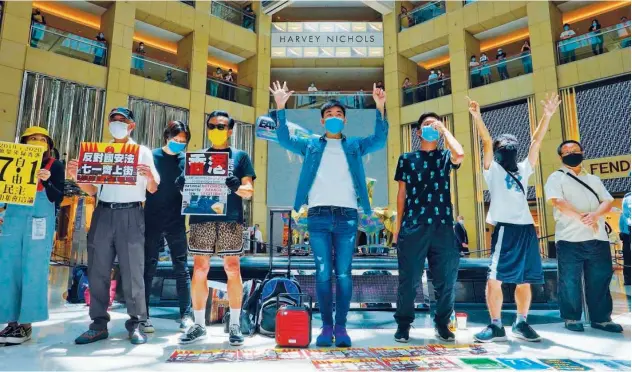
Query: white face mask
x,y
118,129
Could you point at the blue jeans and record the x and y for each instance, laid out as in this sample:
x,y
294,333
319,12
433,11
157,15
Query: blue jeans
x,y
592,260
333,229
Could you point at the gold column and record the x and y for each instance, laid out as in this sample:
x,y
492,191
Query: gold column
x,y
545,22
14,41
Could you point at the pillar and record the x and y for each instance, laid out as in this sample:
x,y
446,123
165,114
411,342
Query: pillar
x,y
545,25
14,41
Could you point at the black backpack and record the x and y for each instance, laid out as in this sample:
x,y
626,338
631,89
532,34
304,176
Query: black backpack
x,y
250,302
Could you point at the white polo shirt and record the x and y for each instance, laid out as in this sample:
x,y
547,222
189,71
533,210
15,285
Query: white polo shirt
x,y
130,193
562,186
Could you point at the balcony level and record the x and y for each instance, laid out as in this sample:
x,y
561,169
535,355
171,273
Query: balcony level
x,y
68,44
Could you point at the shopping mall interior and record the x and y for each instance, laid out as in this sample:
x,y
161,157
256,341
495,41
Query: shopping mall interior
x,y
181,60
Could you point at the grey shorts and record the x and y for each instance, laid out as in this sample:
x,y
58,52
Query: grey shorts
x,y
216,239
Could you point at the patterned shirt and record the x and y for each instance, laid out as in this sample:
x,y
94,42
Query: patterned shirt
x,y
427,178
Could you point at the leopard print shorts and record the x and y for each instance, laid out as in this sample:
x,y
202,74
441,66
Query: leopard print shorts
x,y
216,238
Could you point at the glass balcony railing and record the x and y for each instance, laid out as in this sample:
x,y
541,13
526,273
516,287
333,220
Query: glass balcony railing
x,y
421,14
189,3
426,91
159,71
230,92
594,43
67,44
313,100
495,71
233,15
466,2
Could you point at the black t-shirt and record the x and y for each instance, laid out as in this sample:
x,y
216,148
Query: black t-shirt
x,y
427,177
240,166
54,186
166,202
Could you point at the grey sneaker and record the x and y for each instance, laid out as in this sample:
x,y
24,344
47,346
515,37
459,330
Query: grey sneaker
x,y
235,338
147,327
18,335
137,337
195,333
185,323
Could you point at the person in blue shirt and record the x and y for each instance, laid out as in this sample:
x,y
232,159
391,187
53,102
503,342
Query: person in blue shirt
x,y
164,220
424,226
332,183
624,234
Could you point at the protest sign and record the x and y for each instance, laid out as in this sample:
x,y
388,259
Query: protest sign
x,y
19,165
108,163
420,364
205,191
360,364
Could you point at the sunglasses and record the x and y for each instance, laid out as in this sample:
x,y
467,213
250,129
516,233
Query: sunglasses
x,y
218,126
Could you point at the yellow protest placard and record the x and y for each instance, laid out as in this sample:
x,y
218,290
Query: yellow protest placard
x,y
18,172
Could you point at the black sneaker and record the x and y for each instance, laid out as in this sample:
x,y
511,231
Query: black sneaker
x,y
403,333
18,335
524,331
442,332
607,326
3,334
193,334
235,338
492,333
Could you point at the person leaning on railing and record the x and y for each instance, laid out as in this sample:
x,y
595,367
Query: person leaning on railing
x,y
567,47
624,32
596,38
37,32
525,52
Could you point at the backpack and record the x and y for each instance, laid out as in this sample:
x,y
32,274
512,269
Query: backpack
x,y
250,301
286,290
78,285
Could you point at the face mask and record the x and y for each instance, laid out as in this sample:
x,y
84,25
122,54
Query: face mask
x,y
334,125
566,28
176,147
573,160
218,137
506,157
429,134
118,129
43,144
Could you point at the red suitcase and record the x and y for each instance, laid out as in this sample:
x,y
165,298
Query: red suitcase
x,y
294,323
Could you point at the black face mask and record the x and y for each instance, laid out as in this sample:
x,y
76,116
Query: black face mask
x,y
507,157
573,160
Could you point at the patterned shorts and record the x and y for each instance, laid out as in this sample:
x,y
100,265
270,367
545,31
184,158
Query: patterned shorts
x,y
216,238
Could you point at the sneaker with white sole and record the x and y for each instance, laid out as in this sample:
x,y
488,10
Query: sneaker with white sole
x,y
185,323
3,334
235,338
195,333
492,333
18,335
523,330
147,327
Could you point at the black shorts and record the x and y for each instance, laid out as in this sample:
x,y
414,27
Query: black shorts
x,y
515,255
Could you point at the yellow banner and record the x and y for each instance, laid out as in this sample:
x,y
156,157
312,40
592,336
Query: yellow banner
x,y
19,165
610,167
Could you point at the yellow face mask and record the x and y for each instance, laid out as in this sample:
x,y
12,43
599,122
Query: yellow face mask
x,y
39,143
217,137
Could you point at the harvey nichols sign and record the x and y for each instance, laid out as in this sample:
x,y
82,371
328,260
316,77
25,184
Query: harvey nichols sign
x,y
327,39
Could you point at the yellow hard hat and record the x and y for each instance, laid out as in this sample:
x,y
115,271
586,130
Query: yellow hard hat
x,y
38,130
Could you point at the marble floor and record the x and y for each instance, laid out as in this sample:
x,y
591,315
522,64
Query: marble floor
x,y
52,346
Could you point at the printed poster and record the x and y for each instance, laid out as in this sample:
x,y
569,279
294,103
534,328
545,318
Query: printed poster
x,y
205,191
398,352
259,355
288,354
565,365
204,356
361,364
603,365
108,163
267,125
19,165
522,364
338,353
420,364
456,350
482,363
625,363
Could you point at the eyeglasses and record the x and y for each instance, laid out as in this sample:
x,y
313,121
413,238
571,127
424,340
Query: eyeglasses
x,y
218,126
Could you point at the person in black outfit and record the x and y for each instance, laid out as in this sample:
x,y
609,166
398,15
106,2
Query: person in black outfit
x,y
164,220
461,236
596,38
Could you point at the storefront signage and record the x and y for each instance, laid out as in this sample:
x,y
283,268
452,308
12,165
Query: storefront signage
x,y
18,172
610,167
304,39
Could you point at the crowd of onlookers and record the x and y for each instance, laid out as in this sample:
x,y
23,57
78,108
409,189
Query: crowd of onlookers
x,y
481,70
570,41
437,85
420,14
222,84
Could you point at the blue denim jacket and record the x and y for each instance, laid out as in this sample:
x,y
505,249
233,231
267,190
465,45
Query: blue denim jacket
x,y
312,149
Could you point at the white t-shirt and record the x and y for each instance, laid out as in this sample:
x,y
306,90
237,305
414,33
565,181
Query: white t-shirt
x,y
567,34
562,186
312,89
333,184
130,193
258,236
507,202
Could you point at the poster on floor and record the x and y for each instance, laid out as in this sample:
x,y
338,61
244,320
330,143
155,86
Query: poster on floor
x,y
522,364
483,363
338,353
204,356
360,364
603,365
205,191
107,163
398,352
19,165
565,365
456,350
420,364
